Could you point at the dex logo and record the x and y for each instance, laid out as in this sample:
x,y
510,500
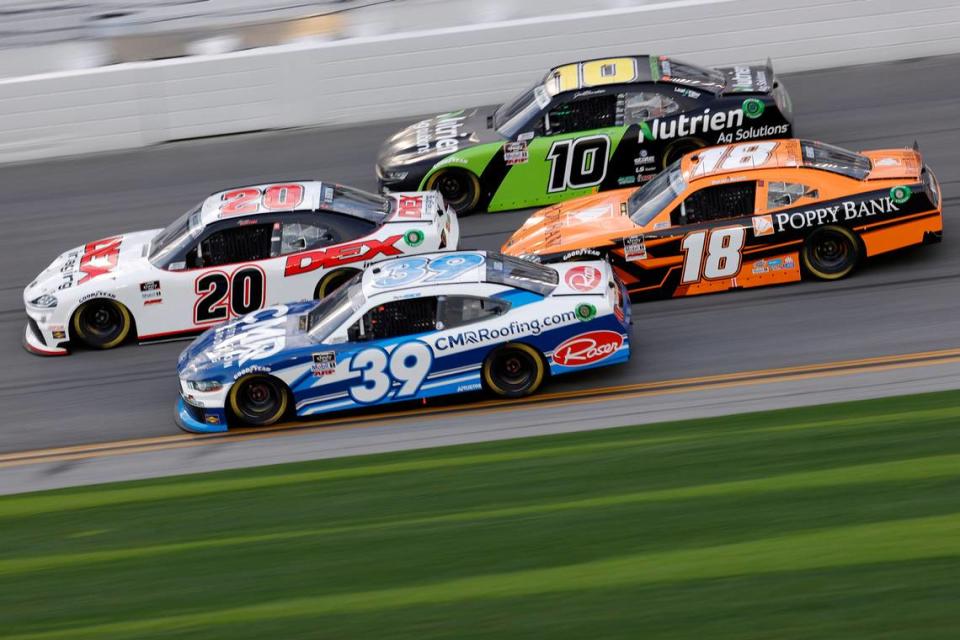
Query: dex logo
x,y
343,254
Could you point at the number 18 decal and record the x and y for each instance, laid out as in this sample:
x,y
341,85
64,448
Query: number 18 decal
x,y
722,256
408,364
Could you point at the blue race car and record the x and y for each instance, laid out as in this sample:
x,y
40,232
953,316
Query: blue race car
x,y
404,329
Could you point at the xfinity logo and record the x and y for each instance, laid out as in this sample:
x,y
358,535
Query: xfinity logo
x,y
684,125
843,212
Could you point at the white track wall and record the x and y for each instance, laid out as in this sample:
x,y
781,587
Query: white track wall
x,y
133,105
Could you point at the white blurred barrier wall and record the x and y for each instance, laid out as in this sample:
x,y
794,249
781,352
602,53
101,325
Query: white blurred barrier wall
x,y
359,79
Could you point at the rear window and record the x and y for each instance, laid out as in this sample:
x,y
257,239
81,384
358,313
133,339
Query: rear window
x,y
826,157
356,203
521,274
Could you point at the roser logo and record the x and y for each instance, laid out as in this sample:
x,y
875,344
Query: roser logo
x,y
583,279
587,348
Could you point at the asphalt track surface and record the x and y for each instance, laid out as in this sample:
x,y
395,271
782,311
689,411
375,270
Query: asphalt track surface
x,y
900,304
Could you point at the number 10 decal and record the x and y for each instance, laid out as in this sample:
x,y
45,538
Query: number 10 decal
x,y
575,164
721,259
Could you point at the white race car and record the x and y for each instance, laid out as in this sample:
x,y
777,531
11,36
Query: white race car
x,y
236,252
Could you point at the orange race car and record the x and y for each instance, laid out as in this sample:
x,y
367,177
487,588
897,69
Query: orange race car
x,y
745,215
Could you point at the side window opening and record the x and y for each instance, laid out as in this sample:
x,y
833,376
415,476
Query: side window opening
x,y
456,311
647,105
227,246
393,319
784,194
300,236
582,115
733,200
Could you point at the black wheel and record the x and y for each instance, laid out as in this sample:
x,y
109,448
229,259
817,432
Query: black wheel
x,y
830,253
514,370
678,149
331,282
258,400
102,324
460,189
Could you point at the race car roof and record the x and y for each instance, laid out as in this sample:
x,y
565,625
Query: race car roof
x,y
597,72
742,156
272,197
443,268
446,268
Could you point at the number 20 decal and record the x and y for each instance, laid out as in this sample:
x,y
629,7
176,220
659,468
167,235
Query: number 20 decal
x,y
408,364
721,259
249,200
576,164
222,295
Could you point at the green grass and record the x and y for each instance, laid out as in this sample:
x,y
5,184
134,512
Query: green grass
x,y
839,521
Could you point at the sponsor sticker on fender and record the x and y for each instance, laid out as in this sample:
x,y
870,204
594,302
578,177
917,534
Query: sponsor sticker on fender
x,y
587,348
583,279
762,225
410,207
634,248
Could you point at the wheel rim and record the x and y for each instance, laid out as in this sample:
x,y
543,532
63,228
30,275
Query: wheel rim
x,y
831,253
513,370
452,188
102,322
259,400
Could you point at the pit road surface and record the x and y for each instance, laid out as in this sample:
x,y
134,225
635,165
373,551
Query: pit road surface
x,y
901,304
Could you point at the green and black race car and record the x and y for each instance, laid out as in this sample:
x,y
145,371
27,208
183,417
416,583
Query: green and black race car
x,y
587,126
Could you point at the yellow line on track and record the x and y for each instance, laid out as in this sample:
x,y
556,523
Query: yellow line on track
x,y
485,407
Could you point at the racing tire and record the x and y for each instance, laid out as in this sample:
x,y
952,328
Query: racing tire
x,y
679,148
514,370
102,323
331,282
258,400
460,189
831,253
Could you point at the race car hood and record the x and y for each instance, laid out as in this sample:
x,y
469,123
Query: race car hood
x,y
591,221
254,340
894,164
438,137
94,265
748,78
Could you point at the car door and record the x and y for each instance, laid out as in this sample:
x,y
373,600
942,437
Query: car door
x,y
223,275
567,153
715,221
385,358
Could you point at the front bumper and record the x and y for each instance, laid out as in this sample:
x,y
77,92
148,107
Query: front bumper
x,y
34,341
199,412
410,182
197,420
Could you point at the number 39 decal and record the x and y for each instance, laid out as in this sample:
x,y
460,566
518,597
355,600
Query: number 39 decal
x,y
408,365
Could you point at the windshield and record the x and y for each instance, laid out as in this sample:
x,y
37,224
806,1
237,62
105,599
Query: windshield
x,y
181,231
690,74
653,197
834,159
356,203
510,118
331,312
521,274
